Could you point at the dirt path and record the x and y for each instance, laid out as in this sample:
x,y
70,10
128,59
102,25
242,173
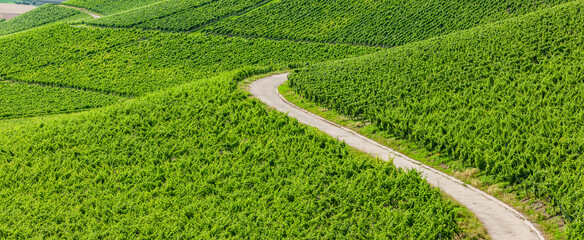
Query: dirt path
x,y
502,221
9,10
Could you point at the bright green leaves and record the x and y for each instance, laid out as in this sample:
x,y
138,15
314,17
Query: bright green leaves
x,y
504,98
206,159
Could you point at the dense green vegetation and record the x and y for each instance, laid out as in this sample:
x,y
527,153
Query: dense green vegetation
x,y
178,15
2,20
203,160
109,6
23,100
136,62
380,23
47,13
504,98
146,13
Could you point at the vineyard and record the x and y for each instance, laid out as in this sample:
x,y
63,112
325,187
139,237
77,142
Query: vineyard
x,y
222,167
147,13
178,15
45,14
132,63
135,124
380,23
110,6
23,100
504,98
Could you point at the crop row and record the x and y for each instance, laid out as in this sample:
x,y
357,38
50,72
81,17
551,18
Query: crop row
x,y
380,23
148,13
109,6
208,160
47,13
132,62
23,100
506,99
178,15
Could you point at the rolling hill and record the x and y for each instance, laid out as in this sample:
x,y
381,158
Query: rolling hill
x,y
504,98
135,125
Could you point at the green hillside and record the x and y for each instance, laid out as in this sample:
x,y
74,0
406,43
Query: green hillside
x,y
135,125
45,14
200,157
136,62
504,98
380,23
24,100
178,15
203,161
110,6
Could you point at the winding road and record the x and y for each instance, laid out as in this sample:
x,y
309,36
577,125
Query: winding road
x,y
502,221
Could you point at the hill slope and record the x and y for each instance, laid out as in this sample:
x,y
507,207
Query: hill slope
x,y
132,62
109,6
45,14
178,15
203,161
380,23
505,98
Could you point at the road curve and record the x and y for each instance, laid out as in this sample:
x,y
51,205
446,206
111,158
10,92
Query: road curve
x,y
501,220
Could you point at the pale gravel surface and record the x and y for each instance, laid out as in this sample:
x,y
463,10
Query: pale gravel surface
x,y
9,10
502,221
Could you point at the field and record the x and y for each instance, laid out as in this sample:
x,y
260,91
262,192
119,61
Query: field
x,y
132,63
511,110
45,14
223,163
110,6
178,15
135,125
379,23
221,176
23,100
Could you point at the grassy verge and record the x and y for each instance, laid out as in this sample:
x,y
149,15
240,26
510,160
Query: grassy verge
x,y
551,225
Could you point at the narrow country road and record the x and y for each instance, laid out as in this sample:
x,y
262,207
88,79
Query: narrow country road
x,y
502,221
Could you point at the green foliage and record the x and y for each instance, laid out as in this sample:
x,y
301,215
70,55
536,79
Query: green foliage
x,y
109,6
22,100
151,12
505,98
380,23
47,13
203,161
137,62
178,15
2,20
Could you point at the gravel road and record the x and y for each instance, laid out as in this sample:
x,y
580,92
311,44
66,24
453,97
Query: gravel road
x,y
502,221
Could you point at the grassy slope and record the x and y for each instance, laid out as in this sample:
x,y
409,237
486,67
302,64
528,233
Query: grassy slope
x,y
22,100
45,14
135,16
504,98
137,62
202,161
109,6
380,23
